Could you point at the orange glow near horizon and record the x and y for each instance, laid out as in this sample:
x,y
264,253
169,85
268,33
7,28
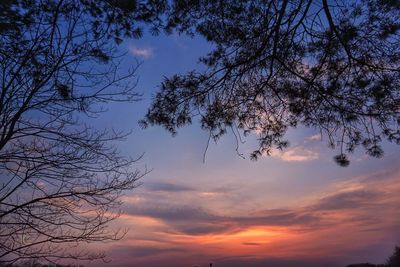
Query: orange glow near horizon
x,y
259,235
180,232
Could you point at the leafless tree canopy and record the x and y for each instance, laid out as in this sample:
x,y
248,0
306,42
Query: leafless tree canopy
x,y
60,179
332,65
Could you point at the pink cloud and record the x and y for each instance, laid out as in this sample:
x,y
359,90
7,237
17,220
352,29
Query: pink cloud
x,y
363,208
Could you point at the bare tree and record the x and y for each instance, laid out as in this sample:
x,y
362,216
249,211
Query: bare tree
x,y
61,179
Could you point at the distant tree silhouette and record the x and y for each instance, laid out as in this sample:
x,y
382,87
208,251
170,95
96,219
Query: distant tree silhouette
x,y
328,65
363,265
394,260
60,179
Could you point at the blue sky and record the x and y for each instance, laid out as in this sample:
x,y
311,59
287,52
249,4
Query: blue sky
x,y
295,208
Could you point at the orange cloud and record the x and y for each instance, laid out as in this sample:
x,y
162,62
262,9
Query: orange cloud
x,y
362,210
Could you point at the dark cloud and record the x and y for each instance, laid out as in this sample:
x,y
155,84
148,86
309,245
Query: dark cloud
x,y
171,213
184,219
167,187
279,217
196,220
134,252
385,175
203,228
192,220
347,200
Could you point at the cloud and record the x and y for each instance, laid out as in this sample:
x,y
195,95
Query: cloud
x,y
296,154
144,251
184,219
357,201
167,187
278,217
144,52
197,220
185,232
315,137
170,212
348,200
201,228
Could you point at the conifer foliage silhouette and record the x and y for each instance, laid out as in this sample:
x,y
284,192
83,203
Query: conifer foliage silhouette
x,y
329,65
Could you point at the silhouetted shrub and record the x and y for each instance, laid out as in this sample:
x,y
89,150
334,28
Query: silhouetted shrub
x,y
394,260
362,265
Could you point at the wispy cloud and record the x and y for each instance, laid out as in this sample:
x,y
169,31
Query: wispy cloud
x,y
355,209
142,52
315,137
355,201
166,187
299,153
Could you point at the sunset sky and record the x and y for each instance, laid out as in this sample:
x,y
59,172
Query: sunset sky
x,y
295,208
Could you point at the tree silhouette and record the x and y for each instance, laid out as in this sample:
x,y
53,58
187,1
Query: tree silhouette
x,y
60,179
328,65
394,260
362,265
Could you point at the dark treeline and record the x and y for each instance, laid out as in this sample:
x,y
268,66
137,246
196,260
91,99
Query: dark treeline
x,y
392,261
367,265
36,264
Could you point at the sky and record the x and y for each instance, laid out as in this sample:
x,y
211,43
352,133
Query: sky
x,y
200,205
